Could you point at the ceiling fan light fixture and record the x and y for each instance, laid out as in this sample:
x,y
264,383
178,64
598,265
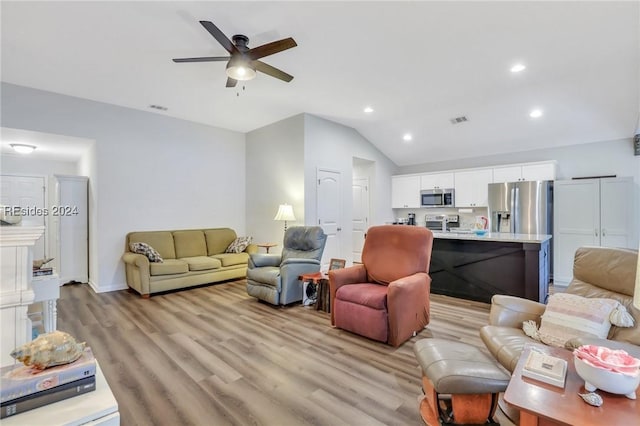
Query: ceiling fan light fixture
x,y
240,70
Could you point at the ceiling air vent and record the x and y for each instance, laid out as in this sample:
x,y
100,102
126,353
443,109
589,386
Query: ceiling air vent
x,y
458,120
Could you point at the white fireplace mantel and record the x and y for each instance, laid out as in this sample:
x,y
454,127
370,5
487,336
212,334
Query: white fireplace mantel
x,y
16,293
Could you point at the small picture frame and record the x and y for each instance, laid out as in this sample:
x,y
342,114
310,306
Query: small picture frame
x,y
336,264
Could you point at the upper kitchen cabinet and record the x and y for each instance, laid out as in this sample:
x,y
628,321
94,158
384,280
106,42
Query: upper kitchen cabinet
x,y
405,192
590,212
436,181
471,188
525,172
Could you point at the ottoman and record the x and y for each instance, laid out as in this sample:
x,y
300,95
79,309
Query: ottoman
x,y
460,382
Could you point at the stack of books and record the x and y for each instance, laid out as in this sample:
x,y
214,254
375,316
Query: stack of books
x,y
24,388
38,272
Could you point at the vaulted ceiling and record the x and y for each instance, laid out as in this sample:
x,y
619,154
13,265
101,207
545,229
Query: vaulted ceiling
x,y
417,64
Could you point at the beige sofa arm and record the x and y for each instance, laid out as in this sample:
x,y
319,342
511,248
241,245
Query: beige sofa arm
x,y
136,259
251,248
138,272
510,311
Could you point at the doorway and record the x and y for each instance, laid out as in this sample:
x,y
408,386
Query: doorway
x,y
360,219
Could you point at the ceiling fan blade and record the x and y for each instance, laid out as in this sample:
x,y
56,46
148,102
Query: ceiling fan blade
x,y
272,71
219,36
271,48
204,59
231,82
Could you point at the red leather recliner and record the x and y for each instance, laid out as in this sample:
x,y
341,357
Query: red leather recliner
x,y
386,298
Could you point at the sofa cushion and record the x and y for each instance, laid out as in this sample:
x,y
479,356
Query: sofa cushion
x,y
168,267
147,250
371,295
568,316
202,263
230,259
239,245
189,243
161,241
218,240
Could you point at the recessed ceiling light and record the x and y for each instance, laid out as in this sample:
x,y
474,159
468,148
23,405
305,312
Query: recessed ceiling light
x,y
368,110
407,137
536,113
518,68
22,148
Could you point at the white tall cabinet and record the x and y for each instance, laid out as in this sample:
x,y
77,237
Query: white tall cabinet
x,y
590,212
69,217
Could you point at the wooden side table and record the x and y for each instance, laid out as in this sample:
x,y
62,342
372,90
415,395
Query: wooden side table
x,y
267,246
321,281
543,404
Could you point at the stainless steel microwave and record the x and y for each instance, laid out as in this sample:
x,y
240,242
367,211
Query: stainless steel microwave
x,y
436,198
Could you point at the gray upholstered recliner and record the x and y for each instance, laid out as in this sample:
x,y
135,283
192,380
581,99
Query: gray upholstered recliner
x,y
274,278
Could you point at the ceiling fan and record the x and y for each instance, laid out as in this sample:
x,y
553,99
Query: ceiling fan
x,y
244,62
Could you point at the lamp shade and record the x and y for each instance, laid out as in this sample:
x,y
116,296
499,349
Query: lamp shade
x,y
285,212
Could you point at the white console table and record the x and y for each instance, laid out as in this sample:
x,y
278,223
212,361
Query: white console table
x,y
46,289
98,407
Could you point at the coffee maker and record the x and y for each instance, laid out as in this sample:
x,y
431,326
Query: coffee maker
x,y
411,219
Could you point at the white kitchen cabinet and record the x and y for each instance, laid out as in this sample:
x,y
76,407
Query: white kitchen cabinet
x,y
69,217
472,188
590,212
525,172
405,192
437,181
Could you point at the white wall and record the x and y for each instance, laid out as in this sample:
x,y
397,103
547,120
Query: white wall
x,y
88,166
18,164
152,171
332,146
275,175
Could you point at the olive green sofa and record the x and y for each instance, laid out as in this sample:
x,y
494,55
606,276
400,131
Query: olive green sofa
x,y
190,257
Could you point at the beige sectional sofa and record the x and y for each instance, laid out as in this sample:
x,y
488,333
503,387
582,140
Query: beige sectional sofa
x,y
190,257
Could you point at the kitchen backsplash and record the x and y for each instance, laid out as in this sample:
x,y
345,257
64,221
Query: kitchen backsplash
x,y
467,220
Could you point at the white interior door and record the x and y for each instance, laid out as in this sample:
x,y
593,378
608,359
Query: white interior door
x,y
27,192
360,215
328,199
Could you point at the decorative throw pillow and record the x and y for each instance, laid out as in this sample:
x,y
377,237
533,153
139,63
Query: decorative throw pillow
x,y
568,315
239,245
147,250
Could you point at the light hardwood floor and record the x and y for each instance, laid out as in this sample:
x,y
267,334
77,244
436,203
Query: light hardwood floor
x,y
215,356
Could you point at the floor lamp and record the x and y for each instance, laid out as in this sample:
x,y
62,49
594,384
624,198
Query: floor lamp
x,y
285,213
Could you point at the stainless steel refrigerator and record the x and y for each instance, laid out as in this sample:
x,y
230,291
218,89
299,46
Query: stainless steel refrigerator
x,y
521,207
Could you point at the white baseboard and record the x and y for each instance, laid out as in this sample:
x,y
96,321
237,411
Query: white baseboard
x,y
113,287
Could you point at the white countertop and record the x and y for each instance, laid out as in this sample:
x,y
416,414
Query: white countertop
x,y
493,236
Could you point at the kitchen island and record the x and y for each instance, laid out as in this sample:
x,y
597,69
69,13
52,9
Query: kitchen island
x,y
476,267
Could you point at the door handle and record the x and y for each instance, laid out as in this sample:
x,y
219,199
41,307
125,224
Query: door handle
x,y
603,232
339,229
596,232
